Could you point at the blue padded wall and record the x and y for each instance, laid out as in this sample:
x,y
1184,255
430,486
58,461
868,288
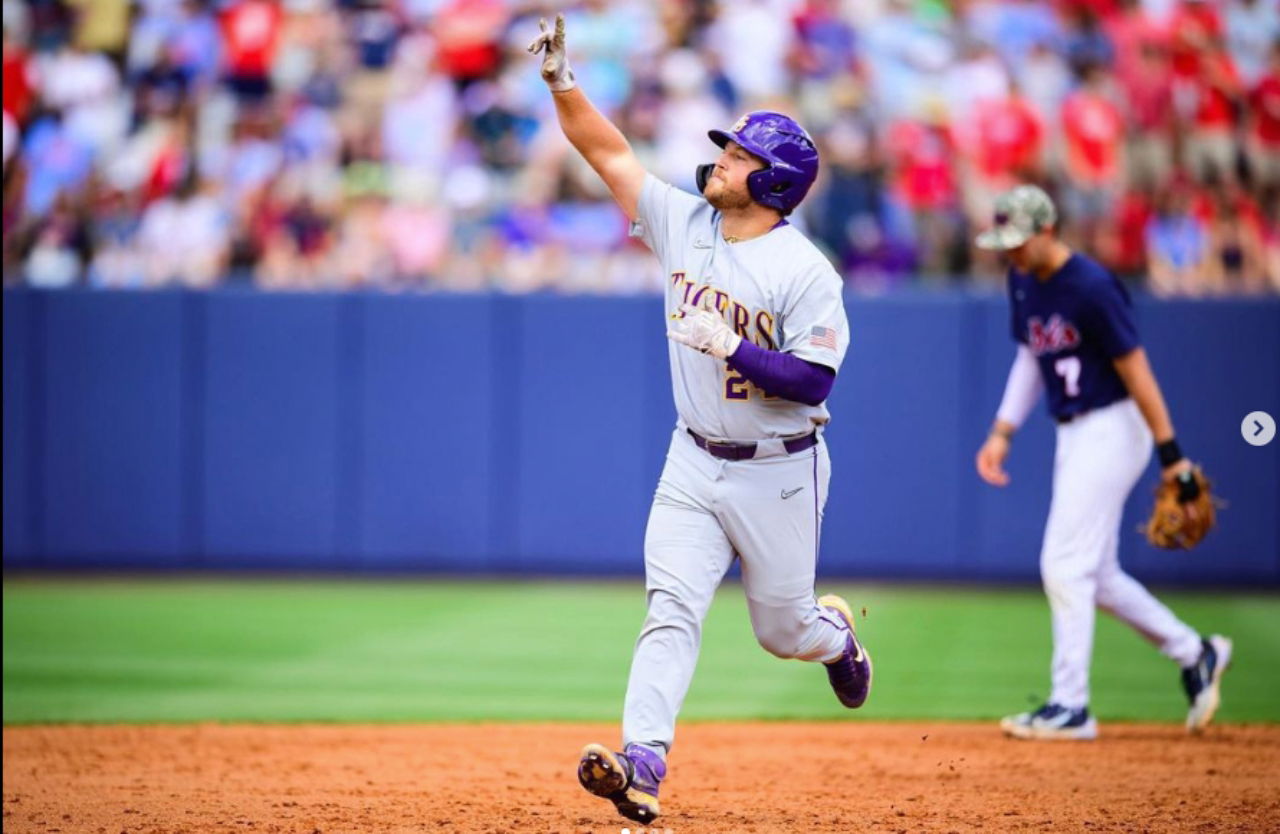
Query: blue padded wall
x,y
270,454
112,475
1216,362
498,434
428,413
21,322
893,441
578,393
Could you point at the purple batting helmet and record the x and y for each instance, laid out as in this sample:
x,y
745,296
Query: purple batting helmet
x,y
791,159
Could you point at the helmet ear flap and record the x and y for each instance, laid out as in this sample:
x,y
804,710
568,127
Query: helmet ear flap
x,y
703,175
767,189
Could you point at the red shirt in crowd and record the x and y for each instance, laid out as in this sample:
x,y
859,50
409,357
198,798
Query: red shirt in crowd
x,y
1129,34
1195,26
1094,129
922,155
469,36
1149,95
18,91
250,32
1132,214
1264,106
167,171
1007,137
1217,85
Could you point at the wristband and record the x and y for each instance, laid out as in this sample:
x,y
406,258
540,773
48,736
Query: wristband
x,y
999,432
1168,452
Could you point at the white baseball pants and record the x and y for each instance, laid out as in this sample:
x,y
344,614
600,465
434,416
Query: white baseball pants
x,y
1099,458
706,510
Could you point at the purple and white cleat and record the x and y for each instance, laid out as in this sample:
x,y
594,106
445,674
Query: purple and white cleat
x,y
850,674
628,779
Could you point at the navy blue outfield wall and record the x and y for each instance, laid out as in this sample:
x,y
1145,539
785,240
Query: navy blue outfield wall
x,y
489,434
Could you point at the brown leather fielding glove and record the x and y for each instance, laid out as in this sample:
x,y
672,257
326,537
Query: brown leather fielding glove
x,y
1184,512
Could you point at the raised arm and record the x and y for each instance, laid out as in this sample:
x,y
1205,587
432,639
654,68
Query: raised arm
x,y
591,134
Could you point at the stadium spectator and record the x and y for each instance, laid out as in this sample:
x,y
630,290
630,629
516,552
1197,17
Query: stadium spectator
x,y
1251,26
185,239
979,76
85,88
469,34
1213,94
825,41
19,87
112,228
905,56
752,47
851,215
57,256
1046,82
1004,146
1236,240
1093,133
1263,142
195,44
1086,44
101,26
1148,97
57,161
1016,27
250,37
923,178
1179,252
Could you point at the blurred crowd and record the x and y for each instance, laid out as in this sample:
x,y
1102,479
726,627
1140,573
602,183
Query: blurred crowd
x,y
410,144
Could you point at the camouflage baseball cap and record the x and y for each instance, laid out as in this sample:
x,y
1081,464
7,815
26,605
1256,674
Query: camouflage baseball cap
x,y
1020,213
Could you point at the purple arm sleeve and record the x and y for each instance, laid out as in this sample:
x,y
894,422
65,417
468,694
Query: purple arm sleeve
x,y
782,374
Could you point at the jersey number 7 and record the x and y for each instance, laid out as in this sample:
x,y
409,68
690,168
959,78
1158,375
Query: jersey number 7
x,y
1068,367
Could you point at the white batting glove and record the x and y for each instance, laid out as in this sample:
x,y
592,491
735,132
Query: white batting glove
x,y
703,330
555,63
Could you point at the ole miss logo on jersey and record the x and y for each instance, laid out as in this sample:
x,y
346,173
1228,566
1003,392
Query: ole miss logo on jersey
x,y
1056,335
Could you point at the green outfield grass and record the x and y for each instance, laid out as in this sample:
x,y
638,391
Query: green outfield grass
x,y
415,650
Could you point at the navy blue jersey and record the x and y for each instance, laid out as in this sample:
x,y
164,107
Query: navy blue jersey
x,y
1075,323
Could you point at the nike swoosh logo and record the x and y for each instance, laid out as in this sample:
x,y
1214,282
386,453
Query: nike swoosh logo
x,y
787,493
701,244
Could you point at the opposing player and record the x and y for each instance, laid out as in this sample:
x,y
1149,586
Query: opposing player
x,y
1076,339
758,331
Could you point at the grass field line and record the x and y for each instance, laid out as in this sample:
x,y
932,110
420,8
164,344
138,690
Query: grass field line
x,y
246,649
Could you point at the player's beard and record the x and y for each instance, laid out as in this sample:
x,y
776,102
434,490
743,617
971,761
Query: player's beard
x,y
723,198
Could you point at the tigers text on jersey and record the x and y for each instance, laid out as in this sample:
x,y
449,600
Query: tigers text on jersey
x,y
1076,323
777,290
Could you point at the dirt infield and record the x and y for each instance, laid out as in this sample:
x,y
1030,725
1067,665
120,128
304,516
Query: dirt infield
x,y
724,778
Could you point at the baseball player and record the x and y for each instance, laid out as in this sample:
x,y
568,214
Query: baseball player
x,y
757,332
1076,338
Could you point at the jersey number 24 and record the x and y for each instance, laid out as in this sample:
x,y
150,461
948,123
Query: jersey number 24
x,y
738,387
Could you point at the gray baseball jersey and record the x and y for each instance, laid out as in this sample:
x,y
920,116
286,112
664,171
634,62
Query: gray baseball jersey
x,y
777,290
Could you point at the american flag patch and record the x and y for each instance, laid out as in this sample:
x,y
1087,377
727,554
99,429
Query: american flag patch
x,y
823,337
